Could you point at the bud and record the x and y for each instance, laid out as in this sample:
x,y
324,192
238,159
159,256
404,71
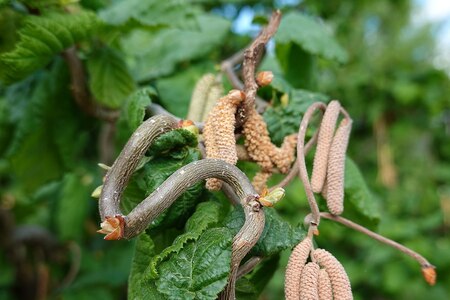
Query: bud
x,y
236,96
264,78
113,227
96,193
189,126
104,167
273,197
429,273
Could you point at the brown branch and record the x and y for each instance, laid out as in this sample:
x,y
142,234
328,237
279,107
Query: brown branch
x,y
252,56
106,143
80,92
424,263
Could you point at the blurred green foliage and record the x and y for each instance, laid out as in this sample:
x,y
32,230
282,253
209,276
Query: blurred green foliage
x,y
367,54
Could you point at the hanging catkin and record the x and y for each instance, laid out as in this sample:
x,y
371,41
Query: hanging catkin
x,y
218,132
214,94
338,277
199,96
259,181
294,268
324,286
309,282
207,92
336,168
261,149
325,138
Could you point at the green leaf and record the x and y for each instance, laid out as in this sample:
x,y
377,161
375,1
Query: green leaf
x,y
138,287
251,285
200,270
157,171
110,81
132,196
277,235
73,207
297,65
284,119
44,136
153,13
310,34
174,139
136,105
207,215
41,37
358,194
170,47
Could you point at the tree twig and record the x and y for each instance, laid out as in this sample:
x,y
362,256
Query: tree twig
x,y
248,266
424,263
294,169
80,92
252,56
302,163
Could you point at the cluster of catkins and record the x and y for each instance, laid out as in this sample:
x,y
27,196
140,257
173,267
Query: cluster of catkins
x,y
323,278
220,141
329,161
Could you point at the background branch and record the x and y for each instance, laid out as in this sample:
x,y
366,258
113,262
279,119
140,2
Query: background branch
x,y
81,93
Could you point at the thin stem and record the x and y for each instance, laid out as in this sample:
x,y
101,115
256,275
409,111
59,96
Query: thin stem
x,y
294,169
248,266
416,256
301,159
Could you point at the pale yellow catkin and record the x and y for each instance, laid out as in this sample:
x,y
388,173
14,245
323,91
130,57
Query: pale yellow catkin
x,y
199,97
336,168
324,140
309,282
324,286
218,132
294,268
338,277
214,94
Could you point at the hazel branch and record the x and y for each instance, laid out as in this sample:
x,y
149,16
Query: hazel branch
x,y
252,56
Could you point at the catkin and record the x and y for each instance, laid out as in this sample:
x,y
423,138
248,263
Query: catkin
x,y
338,277
324,286
294,268
214,94
324,140
260,147
309,282
199,96
218,132
285,155
259,181
336,168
